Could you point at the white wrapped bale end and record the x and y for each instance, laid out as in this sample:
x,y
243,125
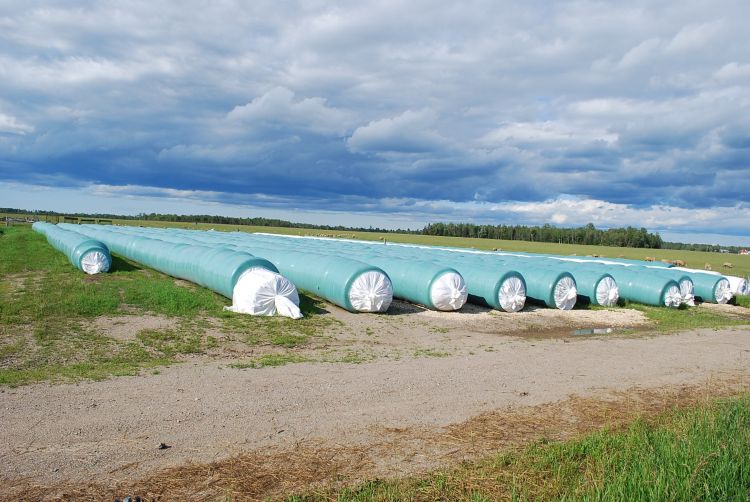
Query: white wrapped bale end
x,y
738,285
262,292
95,262
371,291
565,293
673,296
607,292
687,290
449,292
512,295
723,291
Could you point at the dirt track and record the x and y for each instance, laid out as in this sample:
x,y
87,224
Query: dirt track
x,y
110,430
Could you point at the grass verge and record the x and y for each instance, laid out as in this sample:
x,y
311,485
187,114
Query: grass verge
x,y
666,319
700,453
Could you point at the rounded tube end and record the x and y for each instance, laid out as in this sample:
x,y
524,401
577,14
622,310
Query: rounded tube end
x,y
687,290
565,293
259,291
95,262
672,296
448,292
723,291
512,294
371,291
607,292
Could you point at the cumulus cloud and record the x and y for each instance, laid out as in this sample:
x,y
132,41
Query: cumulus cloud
x,y
10,124
409,132
340,105
278,107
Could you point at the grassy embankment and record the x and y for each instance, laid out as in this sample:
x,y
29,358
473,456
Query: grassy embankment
x,y
48,314
698,453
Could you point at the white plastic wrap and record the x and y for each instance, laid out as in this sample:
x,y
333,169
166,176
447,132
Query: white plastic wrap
x,y
512,294
673,297
738,285
95,262
566,293
607,292
371,292
723,291
261,292
692,270
687,290
448,292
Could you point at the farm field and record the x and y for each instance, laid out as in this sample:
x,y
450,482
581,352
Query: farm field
x,y
250,408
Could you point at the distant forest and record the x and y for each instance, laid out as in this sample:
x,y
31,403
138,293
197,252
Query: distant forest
x,y
207,218
628,237
587,235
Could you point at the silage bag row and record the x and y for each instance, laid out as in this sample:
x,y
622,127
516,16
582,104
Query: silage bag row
x,y
364,283
86,254
351,284
253,283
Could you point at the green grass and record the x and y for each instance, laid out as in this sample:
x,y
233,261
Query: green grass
x,y
701,453
349,356
430,353
47,309
270,360
666,319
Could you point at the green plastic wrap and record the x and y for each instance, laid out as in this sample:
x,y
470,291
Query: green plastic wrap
x,y
217,269
553,288
418,275
331,276
594,285
86,254
711,288
351,284
548,279
435,286
639,285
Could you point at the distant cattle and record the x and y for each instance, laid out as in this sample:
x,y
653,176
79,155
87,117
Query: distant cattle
x,y
650,258
679,263
707,266
726,264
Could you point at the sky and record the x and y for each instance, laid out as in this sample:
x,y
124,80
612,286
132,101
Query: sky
x,y
381,113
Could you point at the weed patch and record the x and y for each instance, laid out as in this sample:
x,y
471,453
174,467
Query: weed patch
x,y
270,360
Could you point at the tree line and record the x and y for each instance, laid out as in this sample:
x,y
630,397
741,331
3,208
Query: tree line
x,y
587,235
209,219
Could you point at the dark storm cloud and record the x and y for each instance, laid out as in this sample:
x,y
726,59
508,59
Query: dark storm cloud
x,y
446,109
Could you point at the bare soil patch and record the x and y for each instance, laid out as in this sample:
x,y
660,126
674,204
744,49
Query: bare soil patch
x,y
125,328
733,311
24,282
408,329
